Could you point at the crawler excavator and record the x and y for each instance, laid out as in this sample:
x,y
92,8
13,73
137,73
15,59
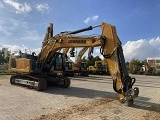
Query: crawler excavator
x,y
68,63
98,68
78,67
35,71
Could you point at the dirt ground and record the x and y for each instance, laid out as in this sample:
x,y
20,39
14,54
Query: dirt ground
x,y
95,109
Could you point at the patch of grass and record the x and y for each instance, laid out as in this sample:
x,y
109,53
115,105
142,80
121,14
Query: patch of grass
x,y
7,73
4,70
4,67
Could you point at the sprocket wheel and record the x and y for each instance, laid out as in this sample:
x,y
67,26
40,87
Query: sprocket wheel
x,y
42,85
12,80
67,82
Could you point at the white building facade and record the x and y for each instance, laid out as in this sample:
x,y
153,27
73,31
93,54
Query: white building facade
x,y
154,62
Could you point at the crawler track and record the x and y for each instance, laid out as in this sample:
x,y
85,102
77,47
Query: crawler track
x,y
39,82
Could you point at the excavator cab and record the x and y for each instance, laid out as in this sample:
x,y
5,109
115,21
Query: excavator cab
x,y
83,66
99,66
68,69
58,64
83,69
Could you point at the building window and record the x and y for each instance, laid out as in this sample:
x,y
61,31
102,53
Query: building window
x,y
151,61
157,61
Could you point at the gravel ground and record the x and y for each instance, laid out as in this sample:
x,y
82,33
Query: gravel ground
x,y
88,98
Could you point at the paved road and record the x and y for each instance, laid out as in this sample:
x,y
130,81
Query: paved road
x,y
18,103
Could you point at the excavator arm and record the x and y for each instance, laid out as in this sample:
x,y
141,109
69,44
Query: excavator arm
x,y
80,54
112,52
90,52
65,51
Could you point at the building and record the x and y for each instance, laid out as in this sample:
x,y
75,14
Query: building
x,y
5,52
154,62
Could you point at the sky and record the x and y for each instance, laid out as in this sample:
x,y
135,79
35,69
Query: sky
x,y
23,23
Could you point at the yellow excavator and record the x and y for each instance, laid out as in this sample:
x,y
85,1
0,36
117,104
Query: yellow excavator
x,y
81,66
35,71
78,67
98,68
68,63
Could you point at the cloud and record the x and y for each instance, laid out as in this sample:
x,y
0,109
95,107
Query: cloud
x,y
93,18
26,7
141,49
97,49
23,48
14,48
18,31
1,5
138,49
19,7
1,46
9,27
43,8
87,20
4,31
31,35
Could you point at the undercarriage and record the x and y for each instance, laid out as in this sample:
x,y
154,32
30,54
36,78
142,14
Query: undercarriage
x,y
39,82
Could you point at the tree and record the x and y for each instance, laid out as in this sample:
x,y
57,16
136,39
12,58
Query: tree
x,y
135,65
136,62
97,58
2,60
91,61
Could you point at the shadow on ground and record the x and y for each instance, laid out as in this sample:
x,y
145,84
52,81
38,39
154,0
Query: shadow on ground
x,y
139,103
79,92
144,104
